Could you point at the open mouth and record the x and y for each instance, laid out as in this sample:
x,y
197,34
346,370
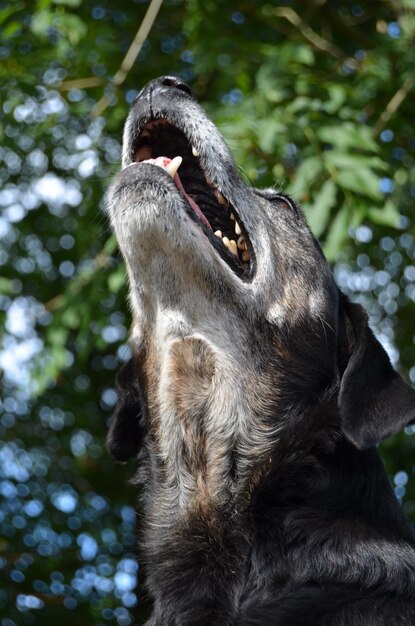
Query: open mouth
x,y
162,144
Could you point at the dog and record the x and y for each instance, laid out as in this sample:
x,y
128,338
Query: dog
x,y
254,399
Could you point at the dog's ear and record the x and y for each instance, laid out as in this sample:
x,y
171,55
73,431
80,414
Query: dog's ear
x,y
374,401
126,429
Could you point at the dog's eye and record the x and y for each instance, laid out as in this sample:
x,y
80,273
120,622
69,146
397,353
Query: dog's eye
x,y
278,198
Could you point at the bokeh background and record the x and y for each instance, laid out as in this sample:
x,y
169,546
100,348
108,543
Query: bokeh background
x,y
315,97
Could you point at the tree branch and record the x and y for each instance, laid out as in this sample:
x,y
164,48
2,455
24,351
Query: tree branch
x,y
313,37
393,105
81,83
132,53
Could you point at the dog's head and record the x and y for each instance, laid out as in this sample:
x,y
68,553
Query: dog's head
x,y
238,325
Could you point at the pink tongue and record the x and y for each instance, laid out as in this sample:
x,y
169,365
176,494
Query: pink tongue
x,y
163,162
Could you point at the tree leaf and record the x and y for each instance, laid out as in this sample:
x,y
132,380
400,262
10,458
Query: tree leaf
x,y
69,3
268,133
318,212
348,135
116,280
360,180
72,26
340,160
387,216
306,175
337,233
41,22
337,96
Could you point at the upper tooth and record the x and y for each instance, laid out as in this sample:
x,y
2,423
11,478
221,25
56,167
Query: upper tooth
x,y
195,152
232,216
174,165
219,197
237,228
241,243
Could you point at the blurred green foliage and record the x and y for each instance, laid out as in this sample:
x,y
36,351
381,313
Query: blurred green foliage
x,y
315,98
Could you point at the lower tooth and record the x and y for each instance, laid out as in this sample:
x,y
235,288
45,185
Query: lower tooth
x,y
218,233
245,255
174,165
232,247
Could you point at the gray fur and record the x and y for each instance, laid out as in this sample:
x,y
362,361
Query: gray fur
x,y
253,402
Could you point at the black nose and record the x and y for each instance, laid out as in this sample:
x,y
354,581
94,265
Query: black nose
x,y
164,83
174,83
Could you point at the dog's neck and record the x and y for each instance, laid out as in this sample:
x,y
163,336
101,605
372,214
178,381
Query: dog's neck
x,y
208,419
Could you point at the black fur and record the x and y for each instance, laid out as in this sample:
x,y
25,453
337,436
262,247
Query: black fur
x,y
126,431
373,399
318,537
